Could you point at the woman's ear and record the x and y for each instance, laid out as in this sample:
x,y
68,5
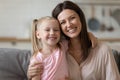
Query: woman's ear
x,y
38,35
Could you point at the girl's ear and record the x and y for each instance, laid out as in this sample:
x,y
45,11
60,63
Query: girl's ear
x,y
38,34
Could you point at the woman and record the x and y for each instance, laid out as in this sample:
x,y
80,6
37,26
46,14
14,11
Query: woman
x,y
84,62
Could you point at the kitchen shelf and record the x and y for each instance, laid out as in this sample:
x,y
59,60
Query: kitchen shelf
x,y
110,40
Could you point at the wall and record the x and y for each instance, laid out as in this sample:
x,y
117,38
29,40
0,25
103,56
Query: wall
x,y
16,16
16,19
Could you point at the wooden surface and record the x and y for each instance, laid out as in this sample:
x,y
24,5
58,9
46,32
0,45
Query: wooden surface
x,y
13,39
111,40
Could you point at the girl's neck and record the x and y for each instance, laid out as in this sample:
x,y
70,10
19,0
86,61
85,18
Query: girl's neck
x,y
47,50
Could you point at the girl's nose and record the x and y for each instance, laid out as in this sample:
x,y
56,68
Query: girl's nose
x,y
51,31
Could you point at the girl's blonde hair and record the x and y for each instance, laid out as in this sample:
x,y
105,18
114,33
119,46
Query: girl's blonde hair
x,y
37,44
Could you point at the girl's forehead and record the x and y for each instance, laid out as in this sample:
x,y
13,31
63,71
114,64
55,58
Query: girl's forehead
x,y
49,23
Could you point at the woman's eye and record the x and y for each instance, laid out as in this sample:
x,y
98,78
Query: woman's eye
x,y
62,23
72,17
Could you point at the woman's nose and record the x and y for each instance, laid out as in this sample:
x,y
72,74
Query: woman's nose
x,y
68,23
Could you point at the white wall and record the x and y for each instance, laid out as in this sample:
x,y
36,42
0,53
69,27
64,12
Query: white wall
x,y
16,15
16,18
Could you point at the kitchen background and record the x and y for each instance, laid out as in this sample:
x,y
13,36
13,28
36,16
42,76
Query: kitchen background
x,y
103,19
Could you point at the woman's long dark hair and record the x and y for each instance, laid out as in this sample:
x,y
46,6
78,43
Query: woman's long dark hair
x,y
84,38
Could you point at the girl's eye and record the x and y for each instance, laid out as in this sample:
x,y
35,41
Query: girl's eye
x,y
57,29
47,30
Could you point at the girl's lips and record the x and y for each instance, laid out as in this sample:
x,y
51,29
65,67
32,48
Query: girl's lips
x,y
52,38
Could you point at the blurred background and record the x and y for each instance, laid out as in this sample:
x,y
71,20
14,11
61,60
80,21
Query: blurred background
x,y
102,16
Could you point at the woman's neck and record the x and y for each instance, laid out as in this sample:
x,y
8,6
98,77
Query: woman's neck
x,y
75,43
75,49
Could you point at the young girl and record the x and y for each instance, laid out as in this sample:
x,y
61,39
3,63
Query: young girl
x,y
48,50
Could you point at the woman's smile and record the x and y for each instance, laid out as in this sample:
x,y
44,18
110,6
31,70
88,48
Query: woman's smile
x,y
72,30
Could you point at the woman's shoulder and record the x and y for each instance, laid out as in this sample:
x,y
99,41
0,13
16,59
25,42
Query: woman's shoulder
x,y
102,49
103,46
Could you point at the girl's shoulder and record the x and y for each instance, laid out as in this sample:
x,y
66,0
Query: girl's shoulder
x,y
36,57
64,41
64,44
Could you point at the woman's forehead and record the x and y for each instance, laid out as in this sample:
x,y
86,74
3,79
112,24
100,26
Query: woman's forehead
x,y
66,13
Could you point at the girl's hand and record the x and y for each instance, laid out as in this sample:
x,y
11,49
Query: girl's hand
x,y
93,39
34,69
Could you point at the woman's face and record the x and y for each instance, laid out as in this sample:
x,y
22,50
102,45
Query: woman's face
x,y
70,23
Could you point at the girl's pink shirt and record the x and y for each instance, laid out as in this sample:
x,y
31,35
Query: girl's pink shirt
x,y
55,65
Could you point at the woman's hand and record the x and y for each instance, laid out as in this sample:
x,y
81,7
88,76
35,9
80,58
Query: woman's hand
x,y
93,39
34,69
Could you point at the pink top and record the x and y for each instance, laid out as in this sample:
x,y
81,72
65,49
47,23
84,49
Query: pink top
x,y
55,65
100,65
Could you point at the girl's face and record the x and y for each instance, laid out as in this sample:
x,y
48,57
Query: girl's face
x,y
70,23
49,32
